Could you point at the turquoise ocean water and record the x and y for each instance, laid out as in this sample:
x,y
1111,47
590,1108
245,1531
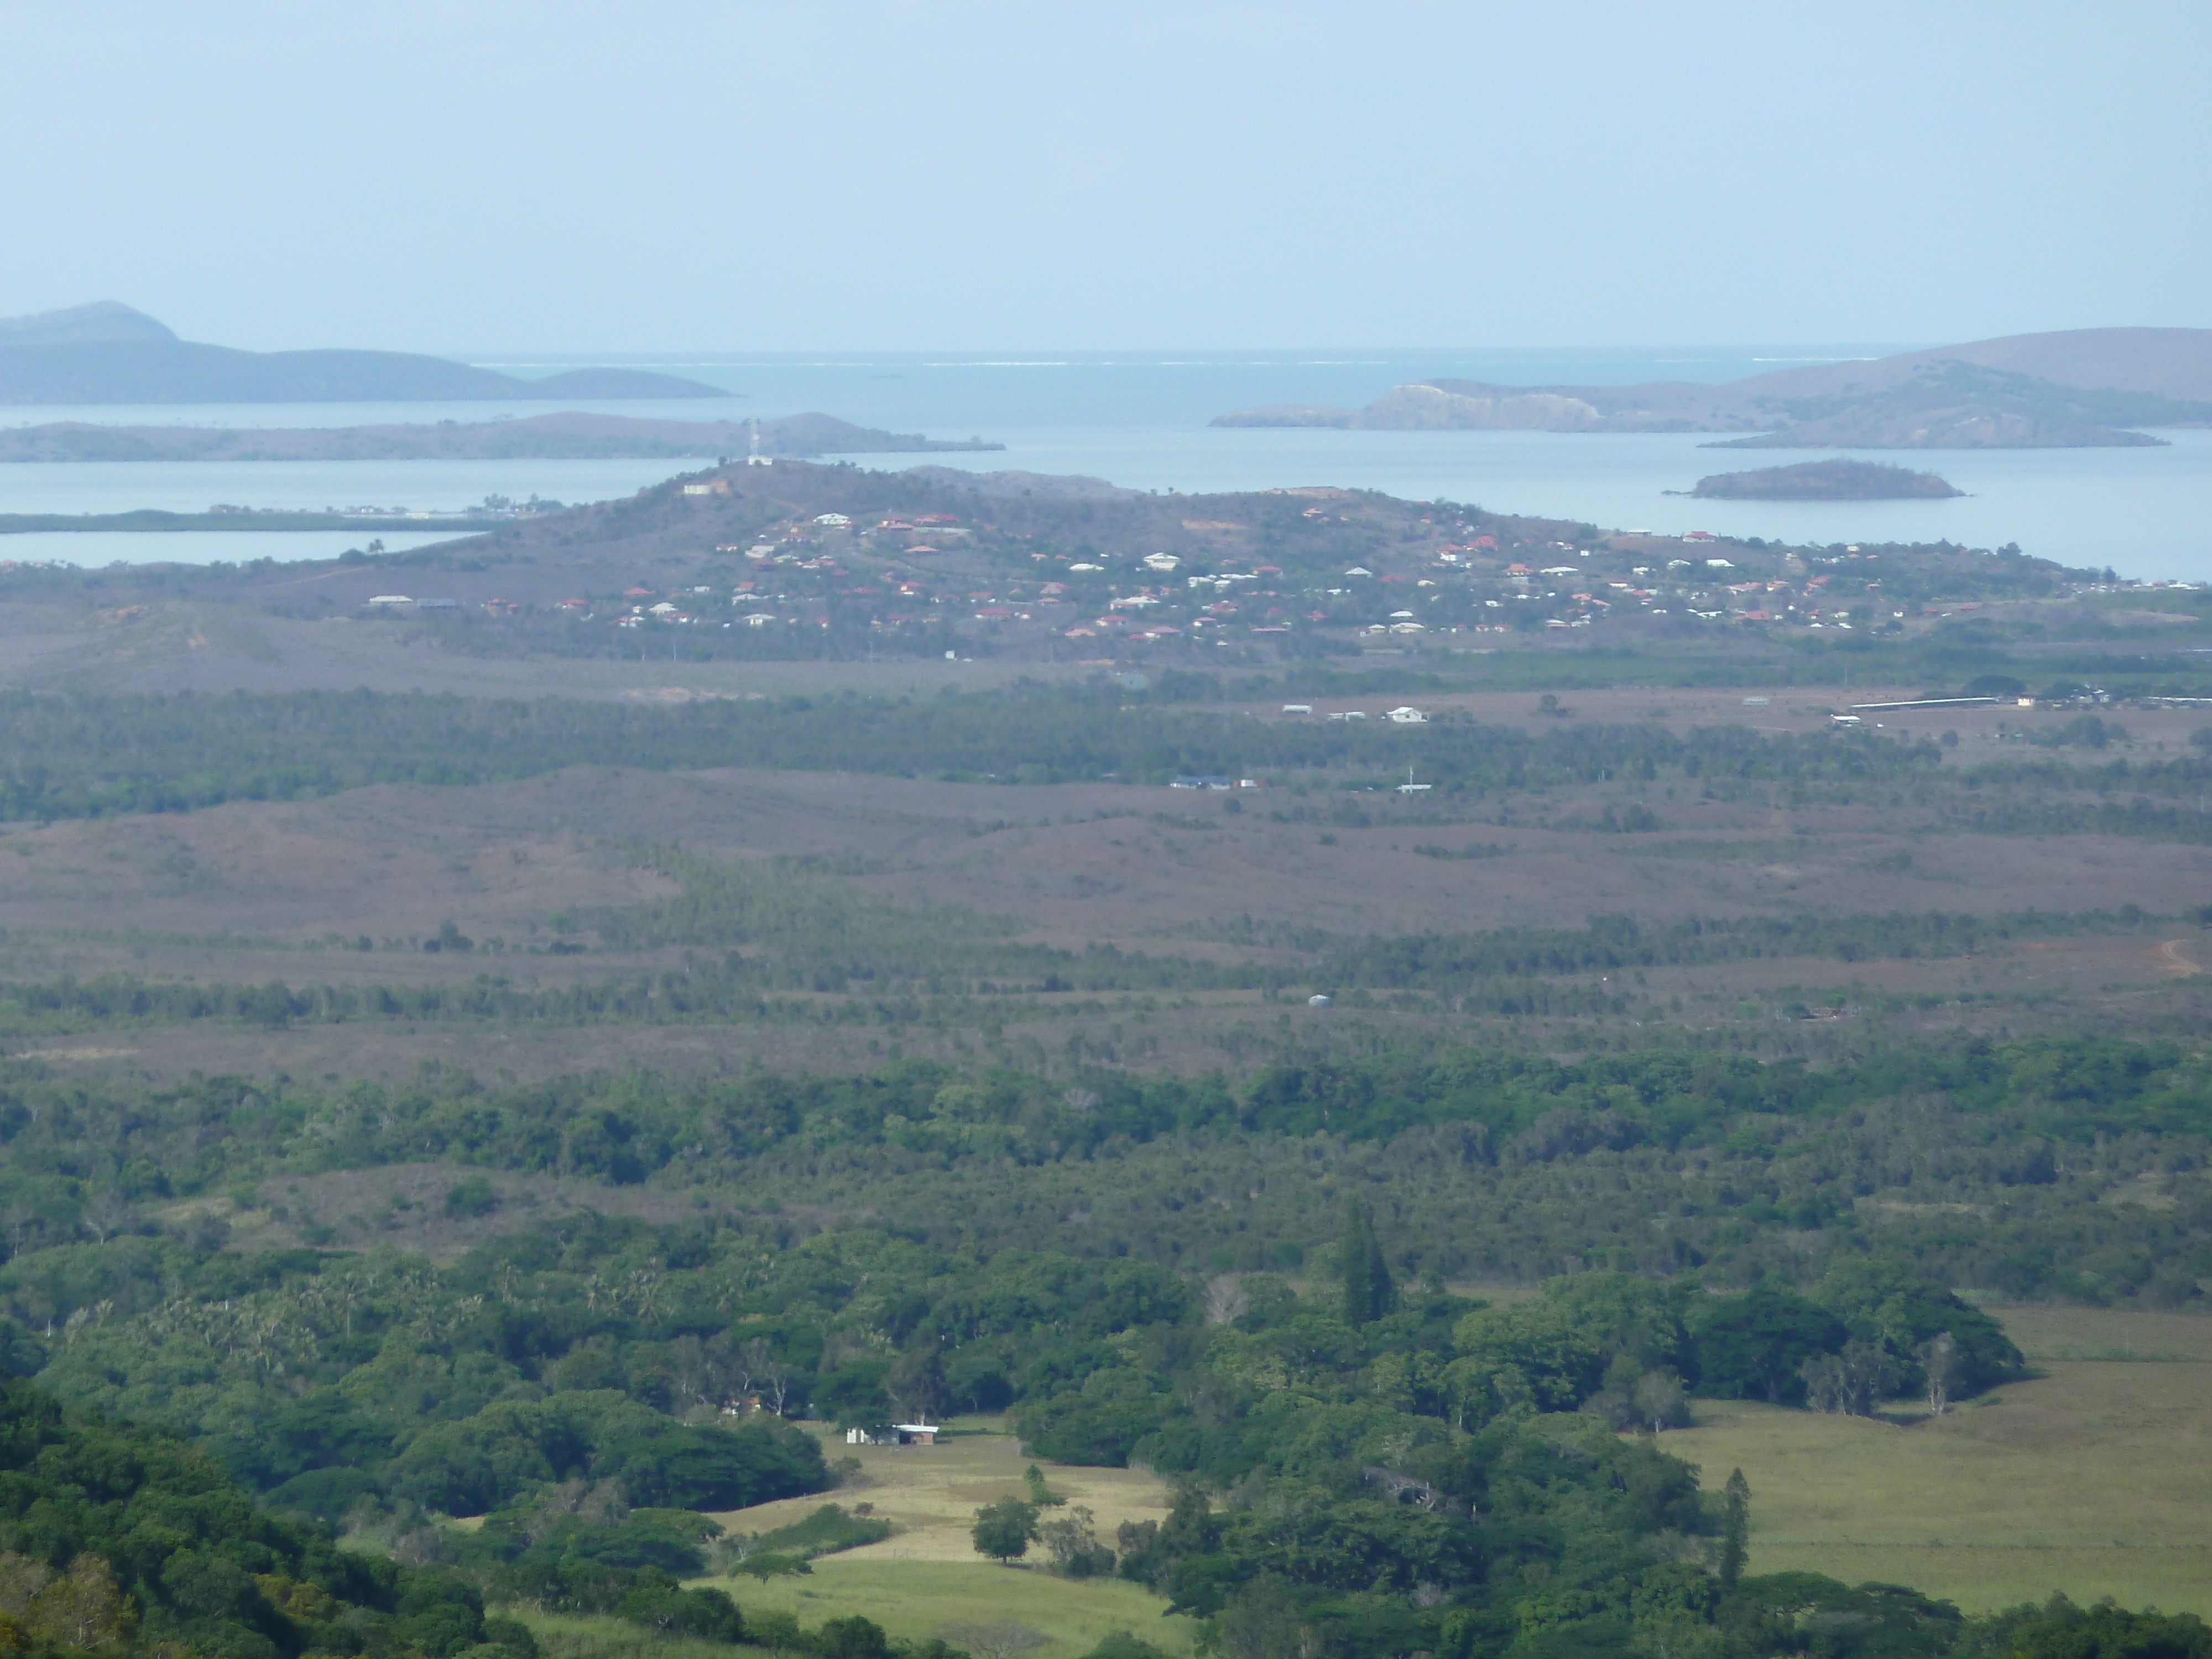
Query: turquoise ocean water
x,y
1139,420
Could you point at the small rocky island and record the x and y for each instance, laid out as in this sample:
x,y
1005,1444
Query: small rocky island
x,y
1827,480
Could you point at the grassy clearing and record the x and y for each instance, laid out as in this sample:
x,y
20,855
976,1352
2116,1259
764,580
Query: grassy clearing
x,y
919,1599
2096,1478
930,1494
927,1575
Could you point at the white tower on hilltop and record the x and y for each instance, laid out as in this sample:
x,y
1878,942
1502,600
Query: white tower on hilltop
x,y
755,459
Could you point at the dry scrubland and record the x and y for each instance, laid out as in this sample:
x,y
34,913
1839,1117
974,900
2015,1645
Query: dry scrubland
x,y
250,893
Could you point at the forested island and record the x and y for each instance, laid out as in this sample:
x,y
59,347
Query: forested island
x,y
1827,480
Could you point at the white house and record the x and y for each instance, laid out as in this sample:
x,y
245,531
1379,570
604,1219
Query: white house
x,y
1407,717
893,1434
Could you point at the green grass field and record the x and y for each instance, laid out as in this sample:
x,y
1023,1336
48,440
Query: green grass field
x,y
927,1575
2094,1478
918,1599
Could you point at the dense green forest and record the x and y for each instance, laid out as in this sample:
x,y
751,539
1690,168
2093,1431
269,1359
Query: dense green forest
x,y
122,1539
1379,1464
1479,1164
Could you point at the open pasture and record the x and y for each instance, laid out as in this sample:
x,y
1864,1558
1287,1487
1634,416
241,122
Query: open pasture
x,y
927,1575
2094,1478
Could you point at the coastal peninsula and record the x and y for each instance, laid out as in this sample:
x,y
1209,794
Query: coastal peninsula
x,y
568,436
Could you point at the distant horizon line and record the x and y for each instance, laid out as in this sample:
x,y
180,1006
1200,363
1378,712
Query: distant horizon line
x,y
1161,357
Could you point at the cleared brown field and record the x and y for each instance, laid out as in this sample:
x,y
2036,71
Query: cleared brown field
x,y
253,893
261,884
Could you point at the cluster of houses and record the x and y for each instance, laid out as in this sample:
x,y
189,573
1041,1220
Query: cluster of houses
x,y
1405,715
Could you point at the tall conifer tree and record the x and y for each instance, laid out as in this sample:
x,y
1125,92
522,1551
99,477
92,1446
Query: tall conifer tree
x,y
1368,1292
1735,1529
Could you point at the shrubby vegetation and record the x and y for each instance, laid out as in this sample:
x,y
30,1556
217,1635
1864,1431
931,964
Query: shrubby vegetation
x,y
1502,1164
90,756
95,755
782,927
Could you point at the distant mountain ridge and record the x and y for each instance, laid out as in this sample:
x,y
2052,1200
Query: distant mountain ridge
x,y
107,353
103,320
2085,387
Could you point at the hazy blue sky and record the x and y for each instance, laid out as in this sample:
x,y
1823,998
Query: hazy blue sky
x,y
969,173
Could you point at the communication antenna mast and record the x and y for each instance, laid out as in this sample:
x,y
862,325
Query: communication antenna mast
x,y
755,457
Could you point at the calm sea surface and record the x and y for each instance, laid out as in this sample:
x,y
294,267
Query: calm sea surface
x,y
1140,420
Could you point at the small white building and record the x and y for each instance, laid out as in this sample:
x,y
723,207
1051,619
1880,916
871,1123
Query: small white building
x,y
893,1434
1406,717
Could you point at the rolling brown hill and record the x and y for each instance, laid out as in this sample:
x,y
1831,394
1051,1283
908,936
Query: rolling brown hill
x,y
2078,388
2161,363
